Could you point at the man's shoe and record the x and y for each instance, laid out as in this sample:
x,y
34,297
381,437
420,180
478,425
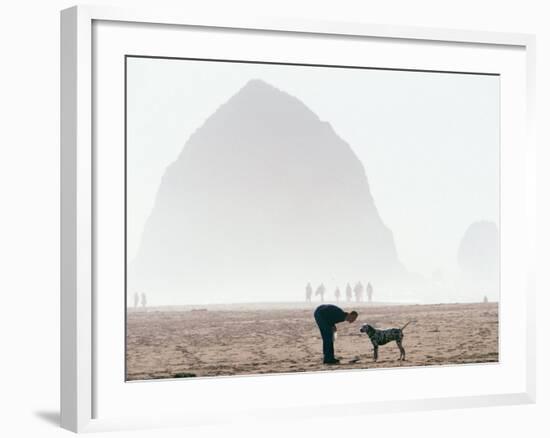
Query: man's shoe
x,y
331,362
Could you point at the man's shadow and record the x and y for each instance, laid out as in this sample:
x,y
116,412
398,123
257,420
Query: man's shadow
x,y
51,417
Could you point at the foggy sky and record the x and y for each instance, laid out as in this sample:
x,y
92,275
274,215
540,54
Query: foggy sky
x,y
428,141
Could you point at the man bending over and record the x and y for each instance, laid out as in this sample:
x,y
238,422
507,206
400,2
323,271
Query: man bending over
x,y
327,316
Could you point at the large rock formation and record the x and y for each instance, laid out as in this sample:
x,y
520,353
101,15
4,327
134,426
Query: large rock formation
x,y
478,259
263,198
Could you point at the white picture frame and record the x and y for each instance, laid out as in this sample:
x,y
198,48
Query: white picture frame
x,y
82,312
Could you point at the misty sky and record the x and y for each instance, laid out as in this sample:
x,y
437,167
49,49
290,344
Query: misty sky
x,y
429,142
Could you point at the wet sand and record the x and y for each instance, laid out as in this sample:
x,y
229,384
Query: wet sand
x,y
255,339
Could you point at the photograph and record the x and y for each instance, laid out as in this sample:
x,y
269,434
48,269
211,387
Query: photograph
x,y
286,218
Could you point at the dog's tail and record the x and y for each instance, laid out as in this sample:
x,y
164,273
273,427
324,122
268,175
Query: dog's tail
x,y
403,328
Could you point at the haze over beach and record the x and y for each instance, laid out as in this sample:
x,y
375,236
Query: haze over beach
x,y
257,192
265,195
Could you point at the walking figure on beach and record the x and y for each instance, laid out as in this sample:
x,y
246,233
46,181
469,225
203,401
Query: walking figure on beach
x,y
358,290
327,316
348,293
136,300
337,294
309,292
143,300
369,292
321,292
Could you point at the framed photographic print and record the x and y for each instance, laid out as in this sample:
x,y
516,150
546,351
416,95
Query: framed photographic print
x,y
258,213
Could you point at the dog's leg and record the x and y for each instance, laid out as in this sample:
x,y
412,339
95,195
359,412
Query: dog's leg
x,y
375,352
401,349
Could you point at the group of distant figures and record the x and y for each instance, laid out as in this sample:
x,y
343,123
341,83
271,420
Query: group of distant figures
x,y
357,291
140,299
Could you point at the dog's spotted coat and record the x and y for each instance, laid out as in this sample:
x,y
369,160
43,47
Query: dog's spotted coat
x,y
381,337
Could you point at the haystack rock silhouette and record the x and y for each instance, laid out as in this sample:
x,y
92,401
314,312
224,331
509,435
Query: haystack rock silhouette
x,y
263,198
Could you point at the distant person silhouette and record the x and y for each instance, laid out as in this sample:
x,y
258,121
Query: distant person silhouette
x,y
321,292
309,292
485,299
358,290
348,293
337,294
143,300
369,292
136,300
327,316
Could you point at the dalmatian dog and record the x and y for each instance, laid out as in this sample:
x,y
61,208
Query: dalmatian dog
x,y
381,337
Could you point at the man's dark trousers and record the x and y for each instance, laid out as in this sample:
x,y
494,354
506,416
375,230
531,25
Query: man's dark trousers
x,y
327,334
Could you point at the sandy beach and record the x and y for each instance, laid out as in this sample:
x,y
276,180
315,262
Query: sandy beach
x,y
198,341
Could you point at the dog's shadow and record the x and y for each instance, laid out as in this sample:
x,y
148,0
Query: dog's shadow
x,y
368,360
